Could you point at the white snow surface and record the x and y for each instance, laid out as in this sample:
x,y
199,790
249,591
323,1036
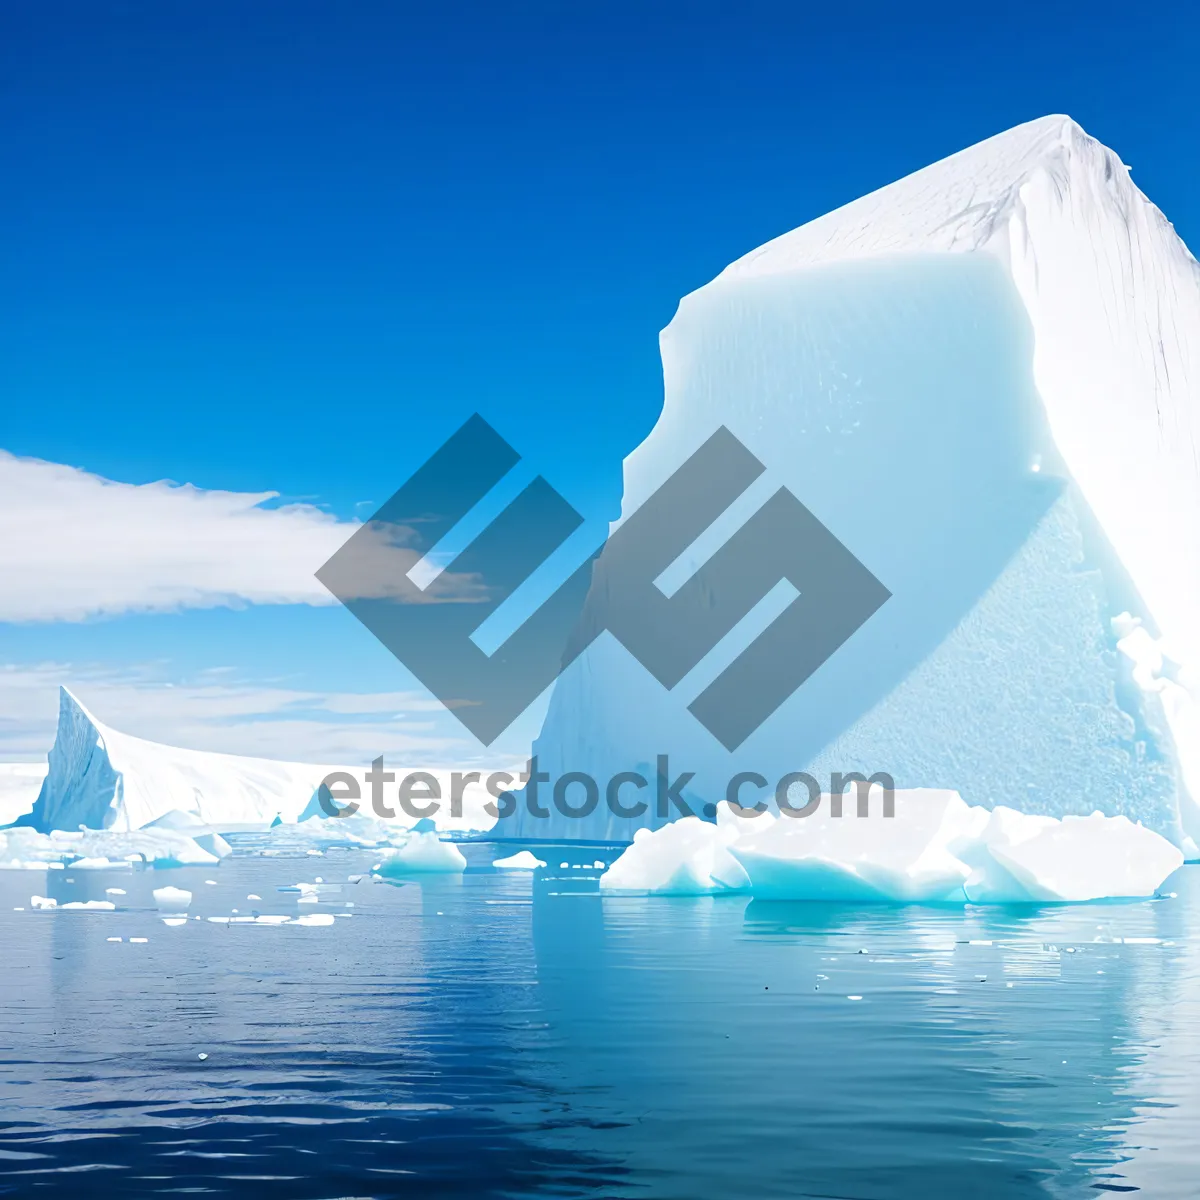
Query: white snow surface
x,y
984,379
103,779
523,860
936,849
94,849
100,778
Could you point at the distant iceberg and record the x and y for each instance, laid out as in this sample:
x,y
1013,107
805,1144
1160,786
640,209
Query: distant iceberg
x,y
101,779
984,380
935,850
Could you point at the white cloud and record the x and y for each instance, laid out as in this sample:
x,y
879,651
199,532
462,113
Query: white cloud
x,y
217,712
74,545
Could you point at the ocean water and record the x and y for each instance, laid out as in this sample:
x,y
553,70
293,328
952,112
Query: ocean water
x,y
508,1034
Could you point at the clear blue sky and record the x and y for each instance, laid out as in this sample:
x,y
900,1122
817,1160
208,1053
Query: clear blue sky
x,y
290,246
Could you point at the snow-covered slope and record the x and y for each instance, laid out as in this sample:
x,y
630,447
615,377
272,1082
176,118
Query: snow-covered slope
x,y
984,379
103,779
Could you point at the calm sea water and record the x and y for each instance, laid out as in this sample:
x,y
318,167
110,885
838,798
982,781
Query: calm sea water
x,y
516,1035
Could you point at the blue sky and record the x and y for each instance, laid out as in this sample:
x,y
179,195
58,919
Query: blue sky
x,y
290,247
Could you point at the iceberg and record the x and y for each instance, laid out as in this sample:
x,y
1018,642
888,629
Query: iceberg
x,y
689,857
936,849
101,779
423,853
172,899
523,860
984,380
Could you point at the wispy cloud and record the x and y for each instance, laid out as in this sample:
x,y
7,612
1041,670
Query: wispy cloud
x,y
215,711
76,545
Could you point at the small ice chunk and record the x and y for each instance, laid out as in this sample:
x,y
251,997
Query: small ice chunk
x,y
140,941
201,1056
112,939
315,919
172,899
423,853
42,902
523,860
173,920
114,891
252,896
91,905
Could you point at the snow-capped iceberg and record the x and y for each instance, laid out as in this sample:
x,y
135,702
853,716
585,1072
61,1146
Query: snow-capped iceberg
x,y
102,779
984,380
936,849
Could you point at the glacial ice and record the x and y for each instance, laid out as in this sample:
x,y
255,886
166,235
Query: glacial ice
x,y
99,778
936,849
23,847
422,853
686,858
984,379
103,779
172,899
523,860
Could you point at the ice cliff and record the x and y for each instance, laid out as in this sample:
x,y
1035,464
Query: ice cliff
x,y
984,380
103,779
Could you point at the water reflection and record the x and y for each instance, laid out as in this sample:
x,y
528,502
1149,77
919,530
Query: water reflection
x,y
509,1034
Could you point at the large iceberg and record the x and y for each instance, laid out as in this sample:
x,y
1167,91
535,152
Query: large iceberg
x,y
983,380
101,779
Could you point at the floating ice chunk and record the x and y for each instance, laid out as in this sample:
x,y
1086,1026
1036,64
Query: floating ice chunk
x,y
1075,859
113,939
114,891
188,823
172,899
252,896
871,858
686,858
935,849
523,860
115,848
314,919
42,902
173,920
139,941
90,905
422,853
99,864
